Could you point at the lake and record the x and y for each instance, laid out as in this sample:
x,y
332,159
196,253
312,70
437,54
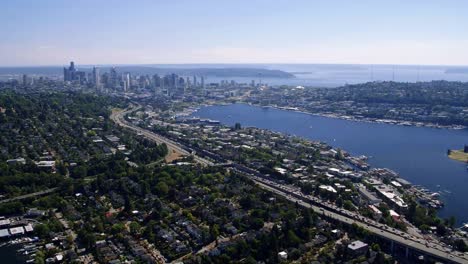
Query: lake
x,y
9,255
418,154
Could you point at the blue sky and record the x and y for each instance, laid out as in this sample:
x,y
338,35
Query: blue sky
x,y
53,32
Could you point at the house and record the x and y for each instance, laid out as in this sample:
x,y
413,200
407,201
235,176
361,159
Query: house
x,y
283,255
376,213
327,188
34,212
48,165
16,161
336,233
394,215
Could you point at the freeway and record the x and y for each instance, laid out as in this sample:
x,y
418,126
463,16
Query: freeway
x,y
295,195
30,195
376,228
118,118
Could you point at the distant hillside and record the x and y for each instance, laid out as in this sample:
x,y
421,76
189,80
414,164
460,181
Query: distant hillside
x,y
213,72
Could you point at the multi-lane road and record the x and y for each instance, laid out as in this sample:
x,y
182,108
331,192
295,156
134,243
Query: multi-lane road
x,y
118,118
293,194
30,195
381,230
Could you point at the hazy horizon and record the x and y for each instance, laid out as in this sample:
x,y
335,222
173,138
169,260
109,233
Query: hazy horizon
x,y
52,32
240,64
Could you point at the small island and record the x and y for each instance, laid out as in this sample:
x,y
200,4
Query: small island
x,y
460,155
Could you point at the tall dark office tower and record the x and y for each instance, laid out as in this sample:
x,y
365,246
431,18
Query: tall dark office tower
x,y
174,80
70,73
181,82
168,84
25,80
80,76
105,79
113,77
156,81
194,81
143,81
66,74
167,80
96,78
202,82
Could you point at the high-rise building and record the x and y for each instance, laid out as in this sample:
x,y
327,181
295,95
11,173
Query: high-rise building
x,y
202,84
80,76
96,78
143,81
181,82
70,73
104,79
174,80
113,78
194,81
66,74
156,81
25,80
126,81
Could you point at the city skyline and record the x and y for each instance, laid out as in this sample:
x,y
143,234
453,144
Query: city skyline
x,y
184,32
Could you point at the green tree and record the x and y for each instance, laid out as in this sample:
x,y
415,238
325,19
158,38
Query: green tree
x,y
162,188
214,232
134,228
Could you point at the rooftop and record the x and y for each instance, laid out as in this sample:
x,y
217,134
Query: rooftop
x,y
356,245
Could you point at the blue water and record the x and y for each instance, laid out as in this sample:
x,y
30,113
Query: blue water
x,y
9,256
418,154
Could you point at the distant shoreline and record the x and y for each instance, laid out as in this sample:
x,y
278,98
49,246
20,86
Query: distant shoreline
x,y
189,112
224,72
367,120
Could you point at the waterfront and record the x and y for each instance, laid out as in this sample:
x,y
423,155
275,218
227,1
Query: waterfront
x,y
418,154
